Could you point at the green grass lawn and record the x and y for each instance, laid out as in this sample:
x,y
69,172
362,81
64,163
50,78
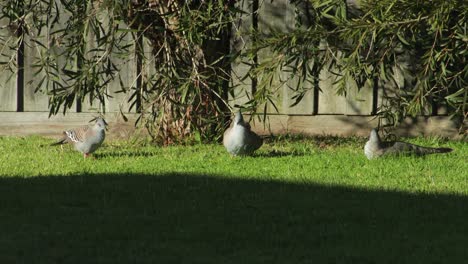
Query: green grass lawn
x,y
296,201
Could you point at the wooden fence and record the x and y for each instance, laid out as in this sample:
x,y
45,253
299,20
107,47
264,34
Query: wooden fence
x,y
25,111
19,91
321,111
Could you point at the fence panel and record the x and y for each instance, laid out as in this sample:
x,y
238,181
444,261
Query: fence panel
x,y
268,17
44,45
241,40
277,17
306,106
127,75
8,77
359,100
35,93
329,102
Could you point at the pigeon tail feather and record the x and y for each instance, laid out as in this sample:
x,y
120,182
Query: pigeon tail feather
x,y
444,150
426,150
60,142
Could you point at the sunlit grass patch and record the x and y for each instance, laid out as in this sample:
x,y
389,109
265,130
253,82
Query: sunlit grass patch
x,y
297,200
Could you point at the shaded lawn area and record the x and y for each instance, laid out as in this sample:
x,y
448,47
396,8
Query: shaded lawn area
x,y
297,201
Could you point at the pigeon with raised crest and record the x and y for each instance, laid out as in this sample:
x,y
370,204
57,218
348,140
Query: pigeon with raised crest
x,y
86,139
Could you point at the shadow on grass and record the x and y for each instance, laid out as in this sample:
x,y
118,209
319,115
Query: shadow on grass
x,y
124,153
178,218
278,153
318,140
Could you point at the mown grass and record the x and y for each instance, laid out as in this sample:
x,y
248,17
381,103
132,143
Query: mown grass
x,y
296,201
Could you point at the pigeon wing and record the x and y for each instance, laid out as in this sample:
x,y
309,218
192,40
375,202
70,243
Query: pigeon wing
x,y
77,135
254,141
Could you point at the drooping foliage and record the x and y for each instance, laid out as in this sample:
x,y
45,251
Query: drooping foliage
x,y
180,47
413,51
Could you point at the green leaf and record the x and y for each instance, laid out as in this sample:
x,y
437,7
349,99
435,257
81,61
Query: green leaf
x,y
402,39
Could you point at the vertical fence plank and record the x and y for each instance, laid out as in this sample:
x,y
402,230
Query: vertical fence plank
x,y
306,105
8,73
241,83
120,88
148,73
329,101
35,97
402,78
388,88
127,75
89,104
277,16
359,100
62,60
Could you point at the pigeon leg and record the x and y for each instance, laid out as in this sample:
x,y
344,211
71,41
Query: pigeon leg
x,y
85,155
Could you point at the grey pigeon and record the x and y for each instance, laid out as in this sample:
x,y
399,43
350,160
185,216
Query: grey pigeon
x,y
85,139
376,148
239,139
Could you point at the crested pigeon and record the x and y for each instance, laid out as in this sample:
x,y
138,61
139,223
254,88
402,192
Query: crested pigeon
x,y
375,148
239,139
85,139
